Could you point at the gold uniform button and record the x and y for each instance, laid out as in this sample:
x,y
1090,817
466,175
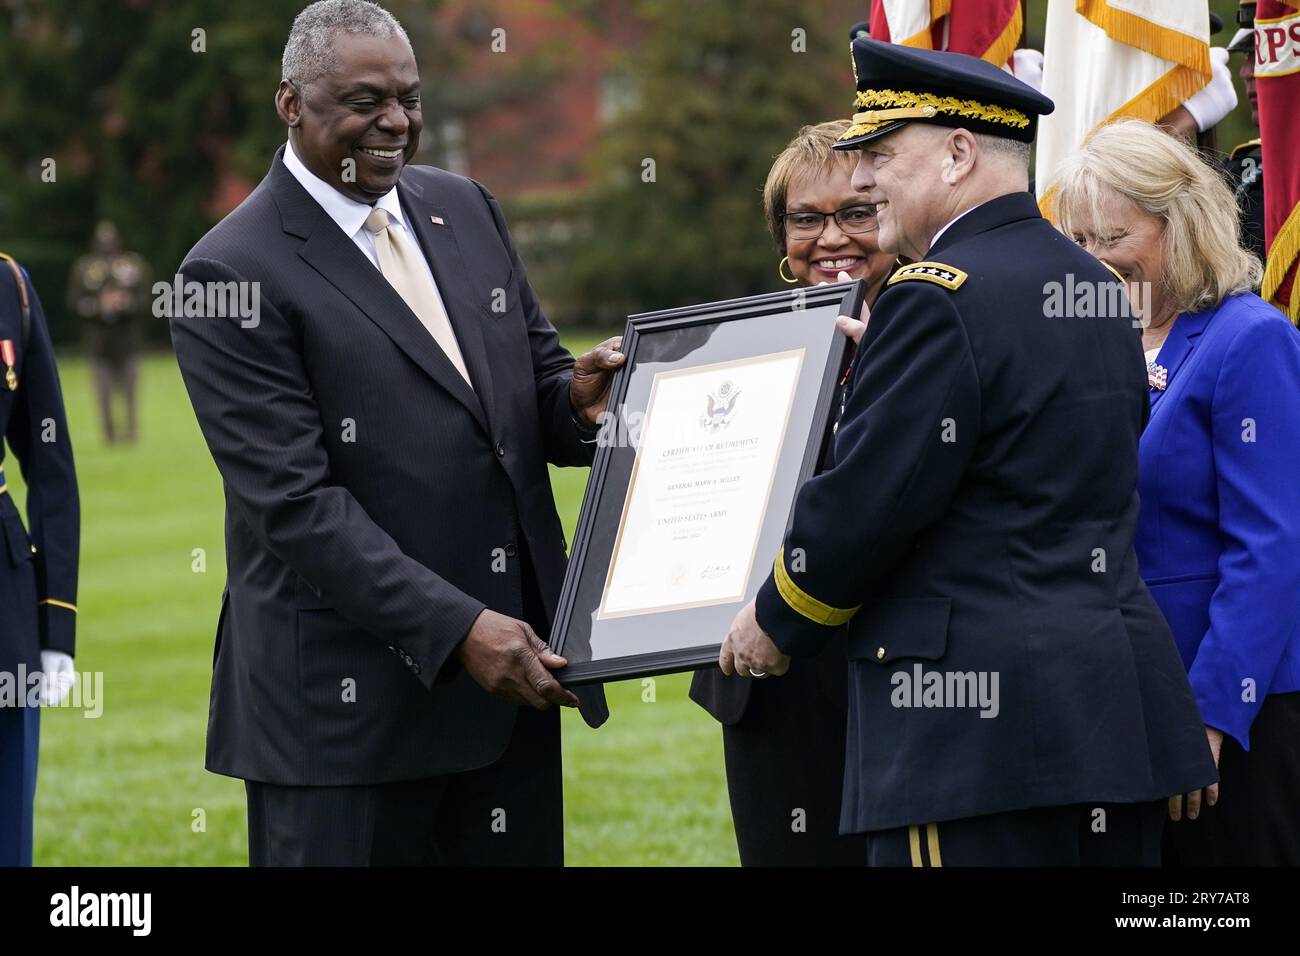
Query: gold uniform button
x,y
880,653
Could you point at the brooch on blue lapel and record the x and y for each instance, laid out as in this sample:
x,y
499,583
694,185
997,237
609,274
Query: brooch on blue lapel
x,y
1157,376
437,220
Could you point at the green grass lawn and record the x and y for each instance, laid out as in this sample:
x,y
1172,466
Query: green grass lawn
x,y
129,788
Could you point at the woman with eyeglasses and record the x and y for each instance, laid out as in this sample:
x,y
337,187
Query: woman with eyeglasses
x,y
1219,529
784,740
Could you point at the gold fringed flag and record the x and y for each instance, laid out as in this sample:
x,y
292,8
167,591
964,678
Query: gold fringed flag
x,y
909,22
988,29
1107,59
1277,84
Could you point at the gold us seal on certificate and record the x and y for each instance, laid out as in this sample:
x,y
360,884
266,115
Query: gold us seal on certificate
x,y
710,443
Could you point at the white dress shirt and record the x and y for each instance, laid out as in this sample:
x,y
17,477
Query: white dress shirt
x,y
945,228
350,215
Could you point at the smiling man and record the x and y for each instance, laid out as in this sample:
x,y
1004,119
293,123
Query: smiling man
x,y
383,430
978,523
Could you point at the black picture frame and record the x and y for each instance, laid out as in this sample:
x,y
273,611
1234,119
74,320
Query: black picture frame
x,y
805,314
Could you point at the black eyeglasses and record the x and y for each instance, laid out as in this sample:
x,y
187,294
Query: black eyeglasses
x,y
809,224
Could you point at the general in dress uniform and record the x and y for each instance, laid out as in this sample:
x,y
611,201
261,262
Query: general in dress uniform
x,y
1015,697
38,570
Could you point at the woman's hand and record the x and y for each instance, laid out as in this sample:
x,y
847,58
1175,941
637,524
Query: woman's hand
x,y
850,326
1215,737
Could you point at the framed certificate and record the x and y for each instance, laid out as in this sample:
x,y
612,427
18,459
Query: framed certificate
x,y
717,417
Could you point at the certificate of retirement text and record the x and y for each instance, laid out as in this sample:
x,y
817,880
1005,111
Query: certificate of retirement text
x,y
710,442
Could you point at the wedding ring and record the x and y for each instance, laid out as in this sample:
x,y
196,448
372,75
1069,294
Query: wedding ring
x,y
759,674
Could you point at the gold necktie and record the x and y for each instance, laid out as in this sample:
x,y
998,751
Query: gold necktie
x,y
404,268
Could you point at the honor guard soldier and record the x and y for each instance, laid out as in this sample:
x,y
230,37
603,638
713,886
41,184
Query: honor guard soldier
x,y
1245,163
38,569
108,291
1015,696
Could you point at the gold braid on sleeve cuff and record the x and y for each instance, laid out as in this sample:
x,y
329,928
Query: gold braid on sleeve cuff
x,y
804,603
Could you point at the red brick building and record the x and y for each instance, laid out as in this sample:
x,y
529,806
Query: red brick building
x,y
539,84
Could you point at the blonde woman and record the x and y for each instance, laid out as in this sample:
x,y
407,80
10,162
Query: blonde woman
x,y
1219,532
784,740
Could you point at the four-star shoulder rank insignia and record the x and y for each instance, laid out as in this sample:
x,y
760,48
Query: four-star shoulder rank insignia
x,y
936,272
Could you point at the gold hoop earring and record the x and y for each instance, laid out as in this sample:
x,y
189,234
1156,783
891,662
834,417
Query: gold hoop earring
x,y
780,270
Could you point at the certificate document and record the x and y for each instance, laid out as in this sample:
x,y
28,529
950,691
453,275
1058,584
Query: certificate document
x,y
710,443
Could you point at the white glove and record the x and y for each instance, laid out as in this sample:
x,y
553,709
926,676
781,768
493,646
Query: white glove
x,y
1210,105
57,677
1027,67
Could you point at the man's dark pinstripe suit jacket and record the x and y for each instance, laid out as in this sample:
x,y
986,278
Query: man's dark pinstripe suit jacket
x,y
368,488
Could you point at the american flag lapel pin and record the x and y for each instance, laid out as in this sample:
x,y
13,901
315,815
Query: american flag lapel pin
x,y
1157,376
437,220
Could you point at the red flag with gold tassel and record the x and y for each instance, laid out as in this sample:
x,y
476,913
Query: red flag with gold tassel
x,y
1277,85
989,29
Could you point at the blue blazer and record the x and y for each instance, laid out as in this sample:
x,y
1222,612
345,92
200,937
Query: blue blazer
x,y
1218,537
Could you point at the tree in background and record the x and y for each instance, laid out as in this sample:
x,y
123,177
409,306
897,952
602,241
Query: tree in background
x,y
157,114
139,114
147,130
716,91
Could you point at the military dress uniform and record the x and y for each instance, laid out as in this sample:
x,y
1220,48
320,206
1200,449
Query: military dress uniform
x,y
1244,166
1014,695
38,570
108,290
1245,169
